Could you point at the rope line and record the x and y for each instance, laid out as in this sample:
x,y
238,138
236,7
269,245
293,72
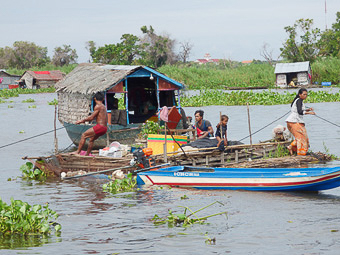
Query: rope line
x,y
328,121
3,146
264,126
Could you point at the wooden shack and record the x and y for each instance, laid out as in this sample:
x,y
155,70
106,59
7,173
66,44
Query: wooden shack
x,y
133,95
40,79
293,74
8,81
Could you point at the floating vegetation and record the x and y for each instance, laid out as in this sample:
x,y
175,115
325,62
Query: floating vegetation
x,y
32,106
21,132
30,173
217,97
21,218
7,93
53,102
10,106
29,100
185,219
120,185
184,197
2,101
150,127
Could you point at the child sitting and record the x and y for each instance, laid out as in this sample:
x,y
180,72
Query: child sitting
x,y
222,126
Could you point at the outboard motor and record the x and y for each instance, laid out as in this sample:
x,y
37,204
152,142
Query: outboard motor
x,y
143,159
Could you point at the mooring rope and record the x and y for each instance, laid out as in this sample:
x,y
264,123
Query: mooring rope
x,y
327,121
264,126
28,138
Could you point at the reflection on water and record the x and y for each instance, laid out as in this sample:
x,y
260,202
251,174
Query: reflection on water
x,y
22,242
97,222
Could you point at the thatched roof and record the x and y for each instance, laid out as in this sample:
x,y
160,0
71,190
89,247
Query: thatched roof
x,y
90,78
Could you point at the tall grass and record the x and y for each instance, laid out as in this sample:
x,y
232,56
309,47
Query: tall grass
x,y
326,69
217,77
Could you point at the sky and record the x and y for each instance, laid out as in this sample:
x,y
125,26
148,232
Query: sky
x,y
230,29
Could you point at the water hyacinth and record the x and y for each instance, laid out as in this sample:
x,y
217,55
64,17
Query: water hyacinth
x,y
21,218
119,183
218,97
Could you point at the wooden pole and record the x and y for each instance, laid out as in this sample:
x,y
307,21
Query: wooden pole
x,y
250,137
55,131
165,144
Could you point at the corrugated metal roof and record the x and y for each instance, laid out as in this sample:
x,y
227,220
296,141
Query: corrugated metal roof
x,y
90,78
292,67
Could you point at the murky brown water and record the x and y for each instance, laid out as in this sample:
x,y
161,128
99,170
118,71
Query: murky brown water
x,y
96,223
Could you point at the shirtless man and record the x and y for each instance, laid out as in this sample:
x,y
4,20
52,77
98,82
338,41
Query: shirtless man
x,y
98,130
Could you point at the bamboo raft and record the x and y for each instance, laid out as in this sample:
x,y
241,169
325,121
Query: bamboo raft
x,y
211,157
245,156
65,162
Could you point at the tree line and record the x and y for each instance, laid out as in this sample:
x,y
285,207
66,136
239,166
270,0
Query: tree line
x,y
150,49
304,43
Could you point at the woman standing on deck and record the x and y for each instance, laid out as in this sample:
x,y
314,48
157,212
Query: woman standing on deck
x,y
296,125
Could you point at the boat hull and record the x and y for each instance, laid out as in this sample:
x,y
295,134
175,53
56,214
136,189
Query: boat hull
x,y
122,134
270,179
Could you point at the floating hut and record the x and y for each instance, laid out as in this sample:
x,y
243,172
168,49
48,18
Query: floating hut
x,y
8,81
133,95
294,74
40,79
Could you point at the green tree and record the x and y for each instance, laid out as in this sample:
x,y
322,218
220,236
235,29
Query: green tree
x,y
304,46
330,40
123,53
25,55
64,55
158,50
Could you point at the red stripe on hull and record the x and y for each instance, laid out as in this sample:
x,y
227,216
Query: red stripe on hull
x,y
203,184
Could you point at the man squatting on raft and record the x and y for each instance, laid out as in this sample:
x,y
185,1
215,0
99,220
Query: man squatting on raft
x,y
204,128
99,112
296,125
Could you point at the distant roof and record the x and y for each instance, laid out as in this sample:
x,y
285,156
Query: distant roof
x,y
204,60
247,61
90,78
54,75
292,67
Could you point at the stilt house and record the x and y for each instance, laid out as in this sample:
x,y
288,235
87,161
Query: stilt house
x,y
296,74
40,79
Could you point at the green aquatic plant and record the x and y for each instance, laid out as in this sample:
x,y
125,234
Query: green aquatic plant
x,y
32,106
10,106
121,185
21,218
218,97
150,127
53,102
31,173
29,100
185,219
280,152
7,93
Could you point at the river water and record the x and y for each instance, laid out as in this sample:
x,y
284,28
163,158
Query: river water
x,y
94,222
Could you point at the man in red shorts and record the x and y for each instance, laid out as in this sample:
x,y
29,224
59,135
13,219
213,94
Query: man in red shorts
x,y
99,112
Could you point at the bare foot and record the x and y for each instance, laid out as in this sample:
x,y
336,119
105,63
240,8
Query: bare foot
x,y
290,150
74,153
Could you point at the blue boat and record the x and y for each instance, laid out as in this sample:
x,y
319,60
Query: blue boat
x,y
257,179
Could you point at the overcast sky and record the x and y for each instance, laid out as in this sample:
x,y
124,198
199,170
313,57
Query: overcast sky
x,y
224,28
